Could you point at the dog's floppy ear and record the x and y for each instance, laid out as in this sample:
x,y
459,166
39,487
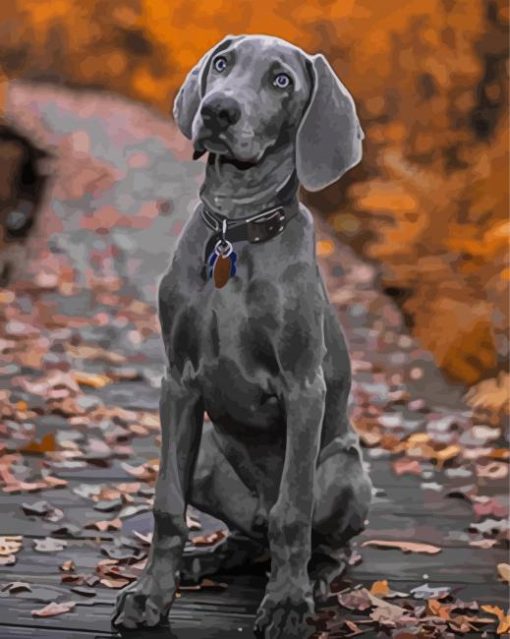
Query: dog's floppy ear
x,y
191,92
329,136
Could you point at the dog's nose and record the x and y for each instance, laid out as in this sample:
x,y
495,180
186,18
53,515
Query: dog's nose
x,y
220,111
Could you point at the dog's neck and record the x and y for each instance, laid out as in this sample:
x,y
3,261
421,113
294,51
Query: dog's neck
x,y
235,193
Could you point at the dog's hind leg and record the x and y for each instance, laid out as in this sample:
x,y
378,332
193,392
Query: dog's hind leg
x,y
218,491
342,497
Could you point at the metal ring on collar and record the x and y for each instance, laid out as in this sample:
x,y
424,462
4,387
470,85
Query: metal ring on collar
x,y
223,247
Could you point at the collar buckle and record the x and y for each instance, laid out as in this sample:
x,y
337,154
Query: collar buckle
x,y
265,227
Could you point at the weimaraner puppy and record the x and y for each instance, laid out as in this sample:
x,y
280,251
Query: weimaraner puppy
x,y
252,339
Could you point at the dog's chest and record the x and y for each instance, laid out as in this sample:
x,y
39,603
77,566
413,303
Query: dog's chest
x,y
225,340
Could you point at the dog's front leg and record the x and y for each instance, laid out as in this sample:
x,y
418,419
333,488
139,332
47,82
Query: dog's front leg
x,y
148,600
288,600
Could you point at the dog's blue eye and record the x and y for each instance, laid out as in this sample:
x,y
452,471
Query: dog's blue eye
x,y
220,64
282,81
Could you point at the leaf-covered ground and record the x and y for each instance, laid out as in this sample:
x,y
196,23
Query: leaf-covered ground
x,y
81,360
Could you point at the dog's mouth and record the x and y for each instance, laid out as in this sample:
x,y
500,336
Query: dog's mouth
x,y
220,154
241,165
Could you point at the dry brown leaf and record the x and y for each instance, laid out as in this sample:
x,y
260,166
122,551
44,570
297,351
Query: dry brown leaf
x,y
404,546
385,612
504,572
210,539
114,583
358,600
53,609
483,543
493,470
106,525
17,586
67,566
84,351
93,380
10,544
55,482
407,466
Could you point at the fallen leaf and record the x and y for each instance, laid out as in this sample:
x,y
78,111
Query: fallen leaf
x,y
146,539
84,591
106,506
504,572
93,380
437,609
445,454
385,612
106,525
10,544
37,508
53,609
380,588
205,584
114,583
487,506
426,592
483,543
7,560
504,620
383,590
55,482
67,566
48,544
17,586
210,539
493,470
407,466
358,600
47,444
84,351
129,511
404,546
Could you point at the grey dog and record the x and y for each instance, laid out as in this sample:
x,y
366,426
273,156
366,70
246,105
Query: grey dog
x,y
260,351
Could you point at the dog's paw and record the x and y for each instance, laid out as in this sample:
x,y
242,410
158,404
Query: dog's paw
x,y
143,603
285,617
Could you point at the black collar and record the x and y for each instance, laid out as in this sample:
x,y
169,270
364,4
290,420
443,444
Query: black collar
x,y
257,228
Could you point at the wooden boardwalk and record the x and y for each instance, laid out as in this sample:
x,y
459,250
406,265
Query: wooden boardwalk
x,y
397,393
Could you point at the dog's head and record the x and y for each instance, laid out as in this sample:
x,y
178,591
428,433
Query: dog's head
x,y
249,95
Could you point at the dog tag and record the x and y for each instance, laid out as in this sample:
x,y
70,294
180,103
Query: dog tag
x,y
221,272
222,265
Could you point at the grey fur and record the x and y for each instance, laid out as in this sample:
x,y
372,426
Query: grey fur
x,y
264,355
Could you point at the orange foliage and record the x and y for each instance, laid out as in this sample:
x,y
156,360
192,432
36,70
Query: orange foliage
x,y
429,201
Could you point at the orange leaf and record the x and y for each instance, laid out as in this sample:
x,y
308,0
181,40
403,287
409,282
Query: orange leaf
x,y
380,588
404,546
47,444
91,379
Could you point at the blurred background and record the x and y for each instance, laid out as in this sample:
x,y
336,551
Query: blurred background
x,y
428,205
